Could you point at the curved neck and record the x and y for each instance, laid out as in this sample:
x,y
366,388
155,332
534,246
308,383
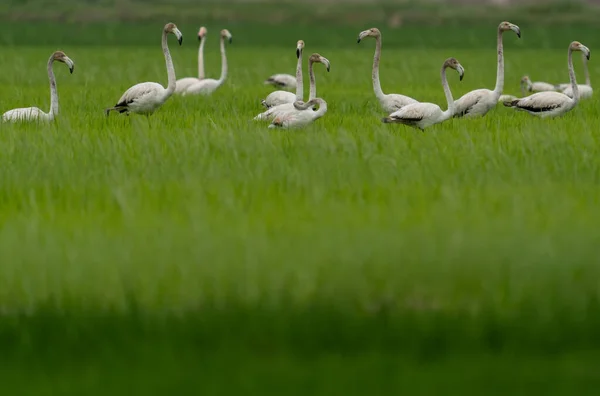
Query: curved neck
x,y
574,86
585,70
450,111
223,62
53,92
500,71
322,109
170,69
375,74
299,81
201,59
313,84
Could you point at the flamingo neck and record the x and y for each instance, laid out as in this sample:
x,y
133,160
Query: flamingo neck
x,y
299,80
375,74
170,70
574,86
223,62
322,109
53,91
450,111
313,84
201,59
500,71
585,70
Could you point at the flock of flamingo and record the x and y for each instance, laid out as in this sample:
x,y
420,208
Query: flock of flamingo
x,y
285,109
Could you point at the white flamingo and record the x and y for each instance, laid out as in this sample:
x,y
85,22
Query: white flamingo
x,y
274,111
281,80
389,102
551,103
478,102
538,86
585,90
184,83
281,97
422,115
210,85
302,115
147,97
34,113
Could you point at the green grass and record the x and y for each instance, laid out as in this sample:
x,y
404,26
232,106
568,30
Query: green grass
x,y
203,239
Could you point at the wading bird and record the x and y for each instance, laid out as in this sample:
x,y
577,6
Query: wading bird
x,y
585,90
281,97
210,85
538,86
303,114
551,103
421,115
274,111
146,97
478,102
184,83
34,113
389,102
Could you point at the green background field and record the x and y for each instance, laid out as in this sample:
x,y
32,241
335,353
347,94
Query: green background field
x,y
198,252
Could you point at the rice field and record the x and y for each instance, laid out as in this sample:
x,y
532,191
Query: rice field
x,y
200,238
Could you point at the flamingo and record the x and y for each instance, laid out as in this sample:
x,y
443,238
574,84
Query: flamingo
x,y
551,103
210,85
281,97
585,90
389,102
272,112
184,83
478,102
538,86
145,98
422,115
34,113
302,115
285,81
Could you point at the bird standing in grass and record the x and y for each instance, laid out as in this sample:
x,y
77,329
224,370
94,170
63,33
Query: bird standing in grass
x,y
145,98
421,115
551,103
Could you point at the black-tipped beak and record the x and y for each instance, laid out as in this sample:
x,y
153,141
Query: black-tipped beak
x,y
230,40
71,69
588,55
328,68
297,52
358,40
180,40
519,33
461,77
199,38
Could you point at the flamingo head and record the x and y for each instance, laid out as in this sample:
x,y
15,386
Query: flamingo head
x,y
373,32
316,58
226,35
506,26
60,56
172,28
577,46
452,63
299,48
201,33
